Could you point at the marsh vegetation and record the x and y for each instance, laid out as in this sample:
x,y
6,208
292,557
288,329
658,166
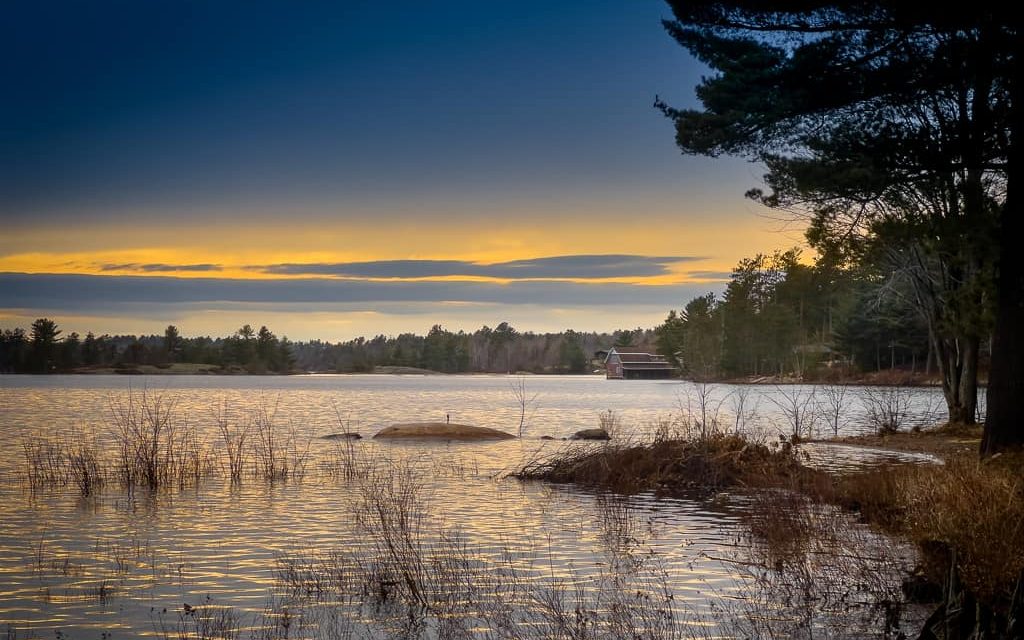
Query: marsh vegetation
x,y
238,509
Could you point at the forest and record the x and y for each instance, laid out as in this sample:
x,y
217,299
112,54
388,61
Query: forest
x,y
503,349
781,316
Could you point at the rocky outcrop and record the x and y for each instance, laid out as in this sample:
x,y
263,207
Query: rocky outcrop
x,y
591,434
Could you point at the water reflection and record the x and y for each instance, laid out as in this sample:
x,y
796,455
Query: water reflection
x,y
125,563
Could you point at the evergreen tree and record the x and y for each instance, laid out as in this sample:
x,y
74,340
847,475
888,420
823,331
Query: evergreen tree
x,y
172,342
44,345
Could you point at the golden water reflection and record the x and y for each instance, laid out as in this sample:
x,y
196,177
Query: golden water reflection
x,y
126,563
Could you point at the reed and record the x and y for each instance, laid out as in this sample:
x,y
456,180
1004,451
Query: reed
x,y
155,445
234,438
206,621
85,469
45,461
279,453
345,460
410,574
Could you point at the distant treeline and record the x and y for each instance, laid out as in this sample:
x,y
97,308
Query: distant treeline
x,y
780,316
777,316
43,349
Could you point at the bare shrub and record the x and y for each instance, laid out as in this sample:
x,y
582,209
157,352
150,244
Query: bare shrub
x,y
743,410
798,409
835,404
887,408
279,620
617,523
346,460
525,402
316,575
194,458
700,411
664,428
931,411
414,580
391,514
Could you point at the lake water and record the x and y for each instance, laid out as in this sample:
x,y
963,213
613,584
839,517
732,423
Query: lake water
x,y
122,564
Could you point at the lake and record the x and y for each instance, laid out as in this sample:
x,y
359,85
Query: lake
x,y
278,559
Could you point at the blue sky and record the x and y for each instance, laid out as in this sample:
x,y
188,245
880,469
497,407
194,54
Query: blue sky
x,y
451,146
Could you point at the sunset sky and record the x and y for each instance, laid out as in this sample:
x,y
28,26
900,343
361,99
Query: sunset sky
x,y
336,169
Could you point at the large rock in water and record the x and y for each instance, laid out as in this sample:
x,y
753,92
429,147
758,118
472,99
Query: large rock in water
x,y
591,434
440,431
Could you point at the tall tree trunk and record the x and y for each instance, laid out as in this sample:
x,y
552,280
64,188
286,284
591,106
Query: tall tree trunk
x,y
968,392
1004,423
958,365
931,355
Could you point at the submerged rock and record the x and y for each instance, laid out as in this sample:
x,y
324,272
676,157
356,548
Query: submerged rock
x,y
591,434
342,436
440,431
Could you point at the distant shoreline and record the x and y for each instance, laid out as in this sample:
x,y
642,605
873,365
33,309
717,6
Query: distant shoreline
x,y
880,378
190,368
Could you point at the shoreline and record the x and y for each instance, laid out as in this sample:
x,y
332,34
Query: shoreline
x,y
876,379
943,441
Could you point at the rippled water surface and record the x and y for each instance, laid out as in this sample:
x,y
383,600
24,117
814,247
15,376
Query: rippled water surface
x,y
120,565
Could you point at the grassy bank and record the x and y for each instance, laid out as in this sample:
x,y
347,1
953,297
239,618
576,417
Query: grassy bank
x,y
964,517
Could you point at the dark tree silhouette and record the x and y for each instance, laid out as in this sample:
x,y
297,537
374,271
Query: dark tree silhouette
x,y
864,112
172,342
44,345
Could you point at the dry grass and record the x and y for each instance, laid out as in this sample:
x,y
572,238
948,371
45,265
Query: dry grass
x,y
965,519
675,467
972,507
977,510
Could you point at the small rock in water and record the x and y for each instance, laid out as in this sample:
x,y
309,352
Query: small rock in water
x,y
342,436
547,438
591,434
